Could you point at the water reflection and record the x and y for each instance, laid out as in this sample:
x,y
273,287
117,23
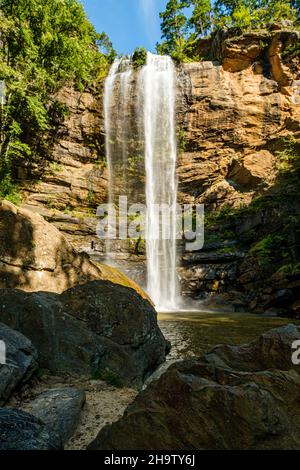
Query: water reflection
x,y
193,333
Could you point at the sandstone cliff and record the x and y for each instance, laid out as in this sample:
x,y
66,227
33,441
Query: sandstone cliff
x,y
73,179
35,256
231,111
239,117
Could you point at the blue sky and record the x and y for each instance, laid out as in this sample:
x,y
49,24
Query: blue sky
x,y
128,23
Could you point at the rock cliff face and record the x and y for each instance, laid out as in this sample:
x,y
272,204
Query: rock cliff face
x,y
230,111
236,113
234,110
35,256
73,179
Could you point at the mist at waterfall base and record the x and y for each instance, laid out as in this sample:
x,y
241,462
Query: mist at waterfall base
x,y
150,122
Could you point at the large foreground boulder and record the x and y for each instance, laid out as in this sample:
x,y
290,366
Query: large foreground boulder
x,y
21,431
19,361
99,329
35,256
60,410
242,397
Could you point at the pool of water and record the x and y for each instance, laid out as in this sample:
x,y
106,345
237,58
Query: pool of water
x,y
194,333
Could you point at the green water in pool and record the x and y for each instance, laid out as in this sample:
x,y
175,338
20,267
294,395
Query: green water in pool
x,y
194,333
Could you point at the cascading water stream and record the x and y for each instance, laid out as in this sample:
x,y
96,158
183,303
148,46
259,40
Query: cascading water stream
x,y
108,97
157,85
116,95
154,117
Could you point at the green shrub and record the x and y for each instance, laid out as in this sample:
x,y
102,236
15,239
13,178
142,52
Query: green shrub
x,y
267,250
266,245
291,268
9,191
139,57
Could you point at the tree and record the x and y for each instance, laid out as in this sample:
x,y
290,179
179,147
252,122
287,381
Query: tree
x,y
201,19
281,9
174,27
247,14
44,45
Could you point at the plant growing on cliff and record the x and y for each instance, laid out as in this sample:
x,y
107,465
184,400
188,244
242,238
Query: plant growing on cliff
x,y
139,57
290,269
288,157
249,14
45,44
185,21
181,140
275,251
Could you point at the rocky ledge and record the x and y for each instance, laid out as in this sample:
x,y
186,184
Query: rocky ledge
x,y
34,255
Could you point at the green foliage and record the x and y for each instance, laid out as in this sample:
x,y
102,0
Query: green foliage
x,y
201,18
266,245
9,191
181,140
288,158
292,50
56,167
242,17
291,268
251,14
266,251
45,45
139,57
185,21
224,215
91,197
174,28
295,4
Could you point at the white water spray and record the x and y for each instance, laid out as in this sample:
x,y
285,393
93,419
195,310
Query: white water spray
x,y
116,96
155,118
157,84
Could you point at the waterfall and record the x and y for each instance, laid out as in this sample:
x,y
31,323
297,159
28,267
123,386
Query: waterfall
x,y
152,119
108,97
157,83
116,96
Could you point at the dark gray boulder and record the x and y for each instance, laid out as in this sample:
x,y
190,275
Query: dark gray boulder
x,y
98,329
59,410
21,361
235,397
21,431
